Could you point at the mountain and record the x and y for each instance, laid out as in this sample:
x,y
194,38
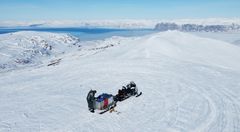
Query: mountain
x,y
197,28
189,83
28,48
123,23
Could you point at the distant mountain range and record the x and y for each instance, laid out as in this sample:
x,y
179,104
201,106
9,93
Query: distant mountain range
x,y
209,25
196,27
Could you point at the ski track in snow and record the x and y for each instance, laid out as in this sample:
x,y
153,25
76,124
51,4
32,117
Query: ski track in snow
x,y
180,93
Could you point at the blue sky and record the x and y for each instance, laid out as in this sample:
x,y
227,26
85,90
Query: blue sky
x,y
117,9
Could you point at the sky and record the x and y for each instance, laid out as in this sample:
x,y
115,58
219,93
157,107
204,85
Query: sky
x,y
24,10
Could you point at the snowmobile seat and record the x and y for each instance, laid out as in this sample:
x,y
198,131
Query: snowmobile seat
x,y
104,101
103,96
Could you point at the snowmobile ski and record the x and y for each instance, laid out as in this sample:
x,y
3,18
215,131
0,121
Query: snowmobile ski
x,y
139,94
104,111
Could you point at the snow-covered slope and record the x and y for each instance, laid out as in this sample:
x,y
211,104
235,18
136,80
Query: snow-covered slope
x,y
233,37
22,49
188,83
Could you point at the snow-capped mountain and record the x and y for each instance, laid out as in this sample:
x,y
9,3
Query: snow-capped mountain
x,y
125,23
30,48
189,83
197,28
22,49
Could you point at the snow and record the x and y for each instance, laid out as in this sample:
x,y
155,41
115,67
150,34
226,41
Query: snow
x,y
123,23
189,83
230,37
29,48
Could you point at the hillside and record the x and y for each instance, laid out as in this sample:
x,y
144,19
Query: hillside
x,y
189,83
27,48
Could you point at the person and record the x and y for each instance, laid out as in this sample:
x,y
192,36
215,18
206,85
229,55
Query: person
x,y
91,99
132,84
129,91
124,90
131,88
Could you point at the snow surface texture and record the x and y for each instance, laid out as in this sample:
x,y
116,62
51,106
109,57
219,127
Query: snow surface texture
x,y
233,37
189,83
23,49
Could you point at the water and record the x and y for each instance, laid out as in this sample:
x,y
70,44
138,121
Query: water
x,y
86,34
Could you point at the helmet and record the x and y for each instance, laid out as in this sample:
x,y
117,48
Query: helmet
x,y
132,82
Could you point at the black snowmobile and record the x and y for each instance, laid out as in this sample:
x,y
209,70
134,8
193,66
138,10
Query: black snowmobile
x,y
127,91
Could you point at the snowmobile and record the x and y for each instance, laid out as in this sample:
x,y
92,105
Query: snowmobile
x,y
106,102
102,103
127,91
